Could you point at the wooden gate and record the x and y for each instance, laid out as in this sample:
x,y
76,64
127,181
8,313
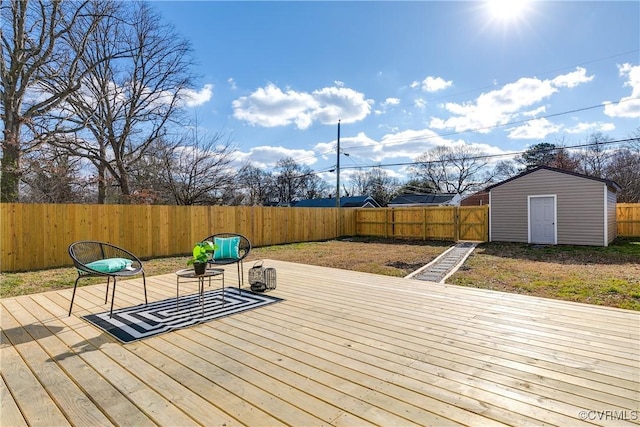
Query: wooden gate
x,y
473,223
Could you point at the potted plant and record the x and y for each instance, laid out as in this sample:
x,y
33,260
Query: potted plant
x,y
201,254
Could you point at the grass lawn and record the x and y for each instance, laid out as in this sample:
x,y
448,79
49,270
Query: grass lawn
x,y
606,276
595,275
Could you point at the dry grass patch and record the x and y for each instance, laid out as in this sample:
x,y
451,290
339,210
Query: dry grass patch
x,y
603,276
380,256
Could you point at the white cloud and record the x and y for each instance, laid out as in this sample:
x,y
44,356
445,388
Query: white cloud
x,y
534,112
266,157
412,143
358,146
419,103
432,84
340,104
572,79
394,146
363,149
386,103
195,98
584,128
232,83
405,144
627,106
534,129
271,106
501,106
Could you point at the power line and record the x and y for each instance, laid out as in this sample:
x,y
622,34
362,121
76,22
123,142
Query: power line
x,y
490,156
479,157
512,123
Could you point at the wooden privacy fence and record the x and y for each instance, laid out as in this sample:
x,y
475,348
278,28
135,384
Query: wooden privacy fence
x,y
427,223
628,219
36,236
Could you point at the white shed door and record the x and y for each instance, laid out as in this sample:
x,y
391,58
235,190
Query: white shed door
x,y
542,221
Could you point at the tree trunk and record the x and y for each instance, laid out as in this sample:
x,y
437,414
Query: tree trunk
x,y
102,184
10,171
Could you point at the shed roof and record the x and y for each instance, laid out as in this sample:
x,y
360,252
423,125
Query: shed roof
x,y
611,184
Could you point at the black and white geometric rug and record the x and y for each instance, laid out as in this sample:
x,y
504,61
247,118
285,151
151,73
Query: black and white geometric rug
x,y
143,321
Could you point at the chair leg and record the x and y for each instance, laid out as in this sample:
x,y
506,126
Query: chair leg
x,y
106,295
113,295
73,295
239,286
144,285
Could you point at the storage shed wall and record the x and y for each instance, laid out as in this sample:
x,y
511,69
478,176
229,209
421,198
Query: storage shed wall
x,y
580,206
612,226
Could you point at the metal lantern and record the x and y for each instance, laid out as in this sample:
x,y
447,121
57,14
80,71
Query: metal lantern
x,y
262,279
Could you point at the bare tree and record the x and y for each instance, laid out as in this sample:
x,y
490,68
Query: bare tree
x,y
565,160
314,187
594,158
43,43
52,176
459,169
623,167
505,169
128,99
376,183
417,186
259,186
198,169
292,180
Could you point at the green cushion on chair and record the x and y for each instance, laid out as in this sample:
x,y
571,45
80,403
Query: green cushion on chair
x,y
226,248
110,265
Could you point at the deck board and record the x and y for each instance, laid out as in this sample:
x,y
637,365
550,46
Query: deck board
x,y
344,348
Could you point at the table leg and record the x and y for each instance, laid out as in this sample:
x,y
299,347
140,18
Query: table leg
x,y
177,292
201,284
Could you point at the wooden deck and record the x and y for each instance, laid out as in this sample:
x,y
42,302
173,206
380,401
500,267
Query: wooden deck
x,y
344,348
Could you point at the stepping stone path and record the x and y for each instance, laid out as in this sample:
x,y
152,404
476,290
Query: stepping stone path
x,y
445,265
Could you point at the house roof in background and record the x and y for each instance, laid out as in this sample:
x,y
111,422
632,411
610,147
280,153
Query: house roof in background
x,y
345,202
613,185
422,199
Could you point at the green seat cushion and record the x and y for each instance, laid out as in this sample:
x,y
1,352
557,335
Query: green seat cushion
x,y
110,265
227,248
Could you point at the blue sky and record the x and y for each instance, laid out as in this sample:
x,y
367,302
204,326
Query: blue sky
x,y
404,77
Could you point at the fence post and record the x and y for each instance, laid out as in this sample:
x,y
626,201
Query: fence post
x,y
386,223
424,223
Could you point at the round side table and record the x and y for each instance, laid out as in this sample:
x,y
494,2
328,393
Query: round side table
x,y
189,275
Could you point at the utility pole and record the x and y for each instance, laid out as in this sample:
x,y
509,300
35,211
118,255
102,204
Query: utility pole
x,y
338,170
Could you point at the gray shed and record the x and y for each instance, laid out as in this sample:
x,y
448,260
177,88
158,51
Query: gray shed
x,y
553,206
